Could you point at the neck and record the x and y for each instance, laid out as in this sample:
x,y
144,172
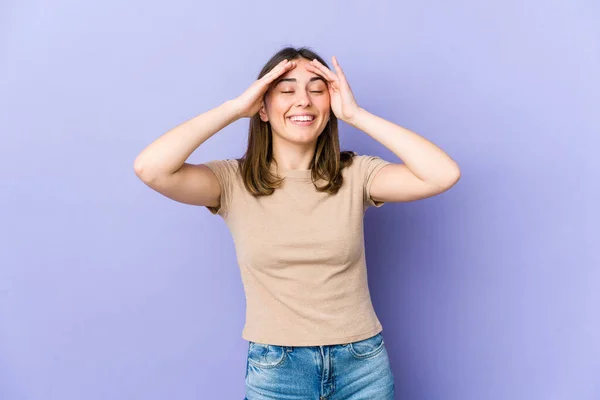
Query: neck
x,y
293,156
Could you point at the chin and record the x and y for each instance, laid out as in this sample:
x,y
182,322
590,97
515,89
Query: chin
x,y
307,137
299,136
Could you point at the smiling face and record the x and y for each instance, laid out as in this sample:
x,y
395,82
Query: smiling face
x,y
297,105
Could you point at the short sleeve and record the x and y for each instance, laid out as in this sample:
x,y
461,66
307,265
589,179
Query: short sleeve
x,y
225,171
369,167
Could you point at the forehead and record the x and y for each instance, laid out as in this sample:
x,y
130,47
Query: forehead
x,y
300,73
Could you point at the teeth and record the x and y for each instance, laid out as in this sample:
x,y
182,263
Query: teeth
x,y
307,118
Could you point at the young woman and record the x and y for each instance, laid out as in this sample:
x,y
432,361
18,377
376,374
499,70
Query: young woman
x,y
295,205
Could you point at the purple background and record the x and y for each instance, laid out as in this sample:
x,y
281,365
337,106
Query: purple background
x,y
110,291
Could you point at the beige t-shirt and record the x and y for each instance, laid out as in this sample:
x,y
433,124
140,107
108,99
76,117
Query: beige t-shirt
x,y
301,255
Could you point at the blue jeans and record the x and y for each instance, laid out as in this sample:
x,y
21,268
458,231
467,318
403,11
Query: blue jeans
x,y
352,371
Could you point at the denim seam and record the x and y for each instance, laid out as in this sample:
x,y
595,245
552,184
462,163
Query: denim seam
x,y
259,365
367,355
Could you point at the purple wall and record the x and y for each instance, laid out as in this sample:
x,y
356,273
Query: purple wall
x,y
110,291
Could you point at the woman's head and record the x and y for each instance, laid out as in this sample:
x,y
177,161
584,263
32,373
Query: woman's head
x,y
295,93
297,105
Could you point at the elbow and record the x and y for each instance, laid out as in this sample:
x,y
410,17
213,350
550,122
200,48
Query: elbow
x,y
450,177
453,177
148,172
141,170
138,166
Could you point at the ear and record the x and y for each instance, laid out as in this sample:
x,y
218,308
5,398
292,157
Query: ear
x,y
263,112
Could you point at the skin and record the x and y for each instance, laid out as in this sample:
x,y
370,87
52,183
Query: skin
x,y
426,169
294,145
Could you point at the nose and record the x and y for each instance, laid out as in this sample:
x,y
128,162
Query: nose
x,y
303,98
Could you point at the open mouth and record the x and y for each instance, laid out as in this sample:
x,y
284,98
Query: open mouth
x,y
303,120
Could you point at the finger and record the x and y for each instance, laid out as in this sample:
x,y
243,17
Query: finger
x,y
280,69
338,68
317,71
330,75
340,72
321,70
277,70
331,84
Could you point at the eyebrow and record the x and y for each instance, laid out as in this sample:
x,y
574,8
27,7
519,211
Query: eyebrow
x,y
314,78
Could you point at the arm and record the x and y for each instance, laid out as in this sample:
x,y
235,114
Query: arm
x,y
162,165
427,169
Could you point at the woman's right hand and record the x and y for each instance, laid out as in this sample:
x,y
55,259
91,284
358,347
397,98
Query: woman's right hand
x,y
248,103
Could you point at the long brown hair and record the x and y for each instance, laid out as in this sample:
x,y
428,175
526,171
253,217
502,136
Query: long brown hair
x,y
327,163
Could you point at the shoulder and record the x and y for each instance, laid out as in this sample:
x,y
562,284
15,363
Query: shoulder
x,y
223,168
366,164
230,163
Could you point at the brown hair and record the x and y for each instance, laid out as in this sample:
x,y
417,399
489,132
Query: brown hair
x,y
327,163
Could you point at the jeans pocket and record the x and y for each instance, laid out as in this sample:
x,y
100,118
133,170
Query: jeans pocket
x,y
266,355
367,348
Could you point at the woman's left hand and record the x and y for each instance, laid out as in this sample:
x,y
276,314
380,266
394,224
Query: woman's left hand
x,y
343,103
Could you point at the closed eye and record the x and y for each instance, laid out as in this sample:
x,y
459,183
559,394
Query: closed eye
x,y
312,91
